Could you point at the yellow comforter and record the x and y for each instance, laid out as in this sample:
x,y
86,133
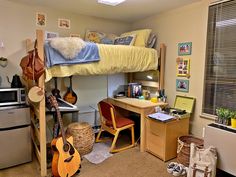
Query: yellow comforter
x,y
113,59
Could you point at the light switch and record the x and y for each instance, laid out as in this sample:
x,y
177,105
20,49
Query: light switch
x,y
1,44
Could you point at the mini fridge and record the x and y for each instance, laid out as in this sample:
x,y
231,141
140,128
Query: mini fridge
x,y
15,138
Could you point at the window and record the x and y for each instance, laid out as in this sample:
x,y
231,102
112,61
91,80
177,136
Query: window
x,y
220,72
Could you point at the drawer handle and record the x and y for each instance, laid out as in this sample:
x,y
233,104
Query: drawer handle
x,y
11,113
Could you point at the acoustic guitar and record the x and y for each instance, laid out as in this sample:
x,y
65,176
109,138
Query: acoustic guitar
x,y
70,96
55,91
66,159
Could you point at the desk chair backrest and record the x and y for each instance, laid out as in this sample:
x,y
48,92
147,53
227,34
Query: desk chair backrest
x,y
107,113
113,123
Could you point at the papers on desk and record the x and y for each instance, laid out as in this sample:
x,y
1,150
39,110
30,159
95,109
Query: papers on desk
x,y
161,116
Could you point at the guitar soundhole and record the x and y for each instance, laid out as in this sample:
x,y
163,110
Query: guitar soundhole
x,y
66,147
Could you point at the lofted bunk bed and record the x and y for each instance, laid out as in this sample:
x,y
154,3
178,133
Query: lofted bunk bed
x,y
112,60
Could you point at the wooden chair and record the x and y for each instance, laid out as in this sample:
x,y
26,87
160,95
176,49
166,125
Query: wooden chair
x,y
114,123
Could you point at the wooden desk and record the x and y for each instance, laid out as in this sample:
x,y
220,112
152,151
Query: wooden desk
x,y
142,107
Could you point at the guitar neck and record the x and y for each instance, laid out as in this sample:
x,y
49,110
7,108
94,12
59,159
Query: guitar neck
x,y
55,79
71,83
61,125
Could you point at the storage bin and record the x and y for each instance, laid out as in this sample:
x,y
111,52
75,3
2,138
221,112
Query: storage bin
x,y
183,150
83,136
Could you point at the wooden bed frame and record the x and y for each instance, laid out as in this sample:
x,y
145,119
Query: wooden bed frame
x,y
38,110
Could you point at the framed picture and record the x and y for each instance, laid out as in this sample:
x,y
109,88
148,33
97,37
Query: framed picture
x,y
74,35
64,23
185,48
40,19
49,35
183,67
182,85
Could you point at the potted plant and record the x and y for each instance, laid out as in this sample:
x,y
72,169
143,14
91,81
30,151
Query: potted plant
x,y
233,119
223,116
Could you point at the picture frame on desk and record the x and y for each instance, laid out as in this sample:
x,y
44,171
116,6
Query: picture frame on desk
x,y
134,90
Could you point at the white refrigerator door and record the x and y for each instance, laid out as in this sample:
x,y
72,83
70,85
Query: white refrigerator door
x,y
15,146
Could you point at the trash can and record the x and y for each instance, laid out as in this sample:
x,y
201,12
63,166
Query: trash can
x,y
183,150
83,136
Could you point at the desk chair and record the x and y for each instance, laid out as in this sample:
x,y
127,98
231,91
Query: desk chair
x,y
113,123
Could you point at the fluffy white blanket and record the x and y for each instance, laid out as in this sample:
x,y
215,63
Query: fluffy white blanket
x,y
69,47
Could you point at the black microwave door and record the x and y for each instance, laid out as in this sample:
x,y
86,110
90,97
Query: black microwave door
x,y
8,96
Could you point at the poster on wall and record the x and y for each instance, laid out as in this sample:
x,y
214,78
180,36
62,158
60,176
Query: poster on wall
x,y
185,48
40,19
183,67
64,23
182,85
50,35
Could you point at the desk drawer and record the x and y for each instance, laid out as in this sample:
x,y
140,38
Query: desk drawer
x,y
155,144
156,128
155,138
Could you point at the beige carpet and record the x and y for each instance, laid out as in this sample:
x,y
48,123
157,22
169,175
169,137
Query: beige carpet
x,y
128,163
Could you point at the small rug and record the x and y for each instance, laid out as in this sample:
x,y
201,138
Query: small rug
x,y
99,153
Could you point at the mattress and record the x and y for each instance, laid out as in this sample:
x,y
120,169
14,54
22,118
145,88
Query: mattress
x,y
113,59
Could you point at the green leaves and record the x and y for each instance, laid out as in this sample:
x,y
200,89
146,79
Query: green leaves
x,y
225,113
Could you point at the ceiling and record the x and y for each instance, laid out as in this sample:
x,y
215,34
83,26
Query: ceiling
x,y
129,11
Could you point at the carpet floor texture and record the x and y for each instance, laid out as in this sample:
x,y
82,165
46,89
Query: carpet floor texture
x,y
128,163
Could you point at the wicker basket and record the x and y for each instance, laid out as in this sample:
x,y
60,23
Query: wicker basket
x,y
83,136
183,151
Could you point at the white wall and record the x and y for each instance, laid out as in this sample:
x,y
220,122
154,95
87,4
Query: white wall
x,y
18,24
185,24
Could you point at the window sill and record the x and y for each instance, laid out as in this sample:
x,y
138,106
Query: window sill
x,y
208,116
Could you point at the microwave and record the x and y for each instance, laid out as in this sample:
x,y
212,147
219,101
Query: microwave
x,y
12,96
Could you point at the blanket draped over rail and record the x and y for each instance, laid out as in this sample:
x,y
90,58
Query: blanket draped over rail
x,y
113,59
88,54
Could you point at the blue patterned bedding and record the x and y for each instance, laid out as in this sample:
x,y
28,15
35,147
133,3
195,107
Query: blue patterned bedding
x,y
89,53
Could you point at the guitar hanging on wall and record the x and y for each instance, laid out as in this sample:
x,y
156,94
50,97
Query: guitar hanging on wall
x,y
55,91
66,159
70,96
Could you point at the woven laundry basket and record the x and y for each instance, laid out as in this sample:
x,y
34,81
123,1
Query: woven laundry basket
x,y
83,136
183,151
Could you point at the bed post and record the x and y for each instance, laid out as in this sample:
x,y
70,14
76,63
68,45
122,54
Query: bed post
x,y
42,117
161,63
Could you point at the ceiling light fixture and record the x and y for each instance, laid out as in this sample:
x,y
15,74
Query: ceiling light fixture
x,y
149,77
111,2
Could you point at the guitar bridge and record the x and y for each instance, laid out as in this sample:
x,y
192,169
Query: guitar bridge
x,y
68,159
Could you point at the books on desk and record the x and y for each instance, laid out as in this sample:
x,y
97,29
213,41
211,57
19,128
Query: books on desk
x,y
161,116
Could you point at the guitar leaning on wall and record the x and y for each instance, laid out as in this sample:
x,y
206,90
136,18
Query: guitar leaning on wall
x,y
55,91
66,159
70,95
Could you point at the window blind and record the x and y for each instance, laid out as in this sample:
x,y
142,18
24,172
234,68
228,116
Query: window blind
x,y
220,70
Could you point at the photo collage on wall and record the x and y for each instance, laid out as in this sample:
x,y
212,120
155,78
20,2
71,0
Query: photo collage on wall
x,y
41,21
183,66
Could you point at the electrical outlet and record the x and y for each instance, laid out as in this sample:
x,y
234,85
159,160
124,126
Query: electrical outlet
x,y
203,132
1,44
